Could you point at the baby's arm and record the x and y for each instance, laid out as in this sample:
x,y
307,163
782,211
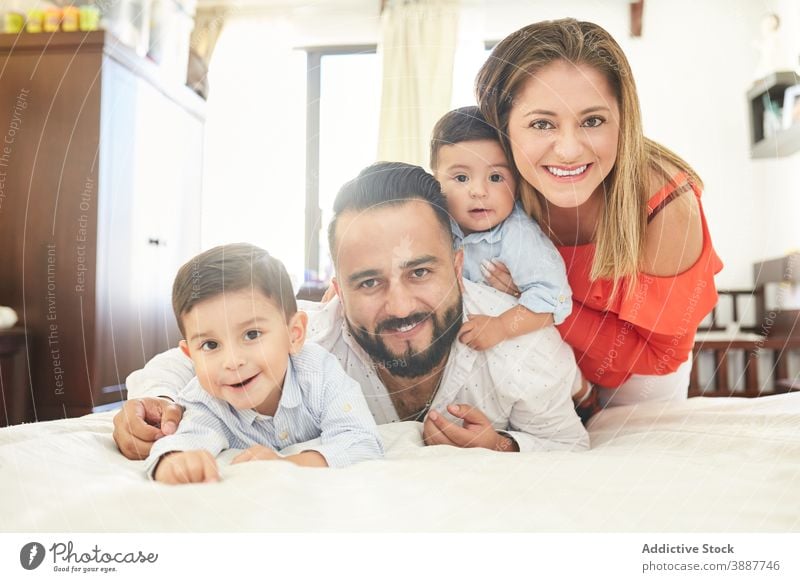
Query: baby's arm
x,y
539,273
482,332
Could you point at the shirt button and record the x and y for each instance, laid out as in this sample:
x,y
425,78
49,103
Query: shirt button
x,y
561,299
347,407
284,435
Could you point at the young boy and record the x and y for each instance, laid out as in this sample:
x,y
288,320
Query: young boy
x,y
258,387
469,163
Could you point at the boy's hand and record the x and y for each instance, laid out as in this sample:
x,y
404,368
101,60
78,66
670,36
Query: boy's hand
x,y
187,467
256,453
476,431
482,332
142,422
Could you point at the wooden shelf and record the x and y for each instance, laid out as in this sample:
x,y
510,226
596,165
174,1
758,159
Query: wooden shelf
x,y
784,143
787,141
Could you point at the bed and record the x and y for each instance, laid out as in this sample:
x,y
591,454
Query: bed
x,y
707,464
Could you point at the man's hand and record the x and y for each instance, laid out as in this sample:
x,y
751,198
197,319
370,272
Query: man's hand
x,y
482,332
142,422
187,467
476,431
256,453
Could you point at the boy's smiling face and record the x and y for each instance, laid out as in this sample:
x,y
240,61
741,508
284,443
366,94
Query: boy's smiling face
x,y
240,343
477,182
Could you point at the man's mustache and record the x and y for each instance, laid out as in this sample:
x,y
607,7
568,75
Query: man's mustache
x,y
398,322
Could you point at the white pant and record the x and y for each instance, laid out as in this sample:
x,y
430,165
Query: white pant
x,y
639,388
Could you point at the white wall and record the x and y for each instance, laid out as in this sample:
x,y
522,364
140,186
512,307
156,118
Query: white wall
x,y
778,180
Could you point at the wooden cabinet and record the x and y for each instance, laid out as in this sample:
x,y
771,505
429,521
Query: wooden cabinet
x,y
15,394
101,164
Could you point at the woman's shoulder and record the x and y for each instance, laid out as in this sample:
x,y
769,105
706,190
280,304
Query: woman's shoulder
x,y
674,235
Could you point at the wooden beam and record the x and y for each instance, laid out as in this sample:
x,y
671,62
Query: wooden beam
x,y
637,8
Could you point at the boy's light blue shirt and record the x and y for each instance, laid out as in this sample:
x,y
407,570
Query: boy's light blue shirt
x,y
319,400
535,265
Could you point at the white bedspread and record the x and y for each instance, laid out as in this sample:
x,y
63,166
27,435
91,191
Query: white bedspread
x,y
703,465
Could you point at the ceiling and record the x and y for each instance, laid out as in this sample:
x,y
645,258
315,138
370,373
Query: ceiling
x,y
294,4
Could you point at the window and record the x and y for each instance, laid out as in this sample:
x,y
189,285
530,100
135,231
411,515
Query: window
x,y
344,85
344,101
253,184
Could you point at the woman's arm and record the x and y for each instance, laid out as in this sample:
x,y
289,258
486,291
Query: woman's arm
x,y
674,237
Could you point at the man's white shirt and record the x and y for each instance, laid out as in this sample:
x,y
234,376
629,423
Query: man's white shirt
x,y
524,385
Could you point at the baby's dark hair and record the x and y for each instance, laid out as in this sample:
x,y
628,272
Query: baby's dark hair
x,y
459,125
230,268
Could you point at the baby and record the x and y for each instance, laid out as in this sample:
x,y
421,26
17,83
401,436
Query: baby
x,y
487,222
258,387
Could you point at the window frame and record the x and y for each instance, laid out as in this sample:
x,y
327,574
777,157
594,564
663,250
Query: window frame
x,y
313,212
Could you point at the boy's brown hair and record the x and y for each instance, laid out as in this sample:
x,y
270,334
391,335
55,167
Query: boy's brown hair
x,y
229,268
459,125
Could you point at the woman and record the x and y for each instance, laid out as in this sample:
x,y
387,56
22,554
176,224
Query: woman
x,y
623,211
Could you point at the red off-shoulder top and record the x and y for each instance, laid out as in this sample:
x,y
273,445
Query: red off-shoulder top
x,y
650,331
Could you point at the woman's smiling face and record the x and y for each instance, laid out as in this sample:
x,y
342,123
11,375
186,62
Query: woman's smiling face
x,y
564,128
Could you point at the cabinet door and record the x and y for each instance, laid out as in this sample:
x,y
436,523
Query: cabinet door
x,y
155,168
168,189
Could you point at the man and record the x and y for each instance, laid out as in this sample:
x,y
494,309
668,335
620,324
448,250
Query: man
x,y
394,325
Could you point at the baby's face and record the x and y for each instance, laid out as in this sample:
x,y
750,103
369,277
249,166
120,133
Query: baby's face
x,y
240,344
477,182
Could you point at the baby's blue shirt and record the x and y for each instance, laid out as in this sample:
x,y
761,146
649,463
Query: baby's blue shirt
x,y
535,265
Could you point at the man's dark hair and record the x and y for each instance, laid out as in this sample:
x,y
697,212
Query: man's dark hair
x,y
459,125
230,268
388,183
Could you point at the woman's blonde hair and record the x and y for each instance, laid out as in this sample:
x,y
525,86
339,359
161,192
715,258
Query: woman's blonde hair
x,y
621,231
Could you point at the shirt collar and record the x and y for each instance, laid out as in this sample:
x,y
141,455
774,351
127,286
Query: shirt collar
x,y
490,236
291,397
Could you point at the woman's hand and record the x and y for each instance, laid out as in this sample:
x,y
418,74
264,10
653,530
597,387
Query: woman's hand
x,y
498,276
330,293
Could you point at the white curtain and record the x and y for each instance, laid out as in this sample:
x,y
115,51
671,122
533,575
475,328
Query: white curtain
x,y
418,48
208,24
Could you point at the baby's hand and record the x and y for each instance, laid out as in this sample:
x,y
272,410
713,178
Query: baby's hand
x,y
482,332
187,467
256,453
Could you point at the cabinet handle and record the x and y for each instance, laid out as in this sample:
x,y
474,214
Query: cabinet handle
x,y
153,241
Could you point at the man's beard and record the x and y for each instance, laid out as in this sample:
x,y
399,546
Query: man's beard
x,y
411,364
